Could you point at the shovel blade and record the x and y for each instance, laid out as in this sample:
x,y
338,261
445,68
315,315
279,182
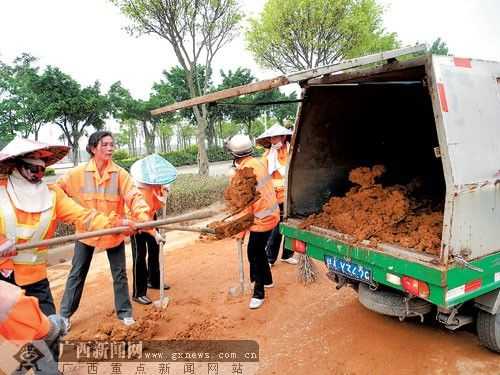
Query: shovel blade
x,y
161,304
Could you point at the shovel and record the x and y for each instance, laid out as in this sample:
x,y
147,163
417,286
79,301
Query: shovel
x,y
237,291
162,303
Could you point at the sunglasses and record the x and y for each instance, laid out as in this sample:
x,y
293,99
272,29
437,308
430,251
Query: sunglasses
x,y
34,168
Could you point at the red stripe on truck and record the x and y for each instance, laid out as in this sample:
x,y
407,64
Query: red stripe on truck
x,y
442,97
462,62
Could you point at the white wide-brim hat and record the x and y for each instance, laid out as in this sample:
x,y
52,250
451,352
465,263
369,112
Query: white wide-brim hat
x,y
276,130
153,170
24,148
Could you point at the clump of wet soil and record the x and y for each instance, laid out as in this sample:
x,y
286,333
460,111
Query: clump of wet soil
x,y
241,191
224,229
382,214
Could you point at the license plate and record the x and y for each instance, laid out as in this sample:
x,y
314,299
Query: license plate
x,y
348,269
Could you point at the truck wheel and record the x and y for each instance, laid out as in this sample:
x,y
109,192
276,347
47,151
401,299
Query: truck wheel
x,y
391,303
488,330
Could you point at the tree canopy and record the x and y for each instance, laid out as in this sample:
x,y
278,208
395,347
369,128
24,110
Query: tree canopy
x,y
291,35
196,30
439,47
74,109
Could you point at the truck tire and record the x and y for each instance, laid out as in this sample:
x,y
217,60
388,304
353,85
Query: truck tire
x,y
488,330
391,303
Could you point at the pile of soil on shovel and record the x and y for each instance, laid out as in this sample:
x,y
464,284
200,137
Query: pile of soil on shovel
x,y
241,191
225,229
382,214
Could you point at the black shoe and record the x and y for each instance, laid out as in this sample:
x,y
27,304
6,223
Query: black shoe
x,y
165,286
143,300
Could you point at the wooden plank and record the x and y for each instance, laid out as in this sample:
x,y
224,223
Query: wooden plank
x,y
354,63
285,80
361,74
224,94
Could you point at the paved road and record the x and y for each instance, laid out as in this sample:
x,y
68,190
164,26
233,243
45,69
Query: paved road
x,y
220,168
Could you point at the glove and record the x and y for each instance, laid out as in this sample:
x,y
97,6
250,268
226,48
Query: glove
x,y
159,238
128,223
57,328
8,249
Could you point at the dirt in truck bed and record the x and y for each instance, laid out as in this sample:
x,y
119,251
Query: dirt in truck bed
x,y
390,214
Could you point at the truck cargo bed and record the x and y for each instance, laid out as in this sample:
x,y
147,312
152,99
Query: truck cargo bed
x,y
389,249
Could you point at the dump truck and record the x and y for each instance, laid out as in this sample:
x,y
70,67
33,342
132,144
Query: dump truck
x,y
436,117
419,115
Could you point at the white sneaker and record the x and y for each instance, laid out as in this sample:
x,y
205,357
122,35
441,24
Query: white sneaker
x,y
291,260
255,303
128,321
269,285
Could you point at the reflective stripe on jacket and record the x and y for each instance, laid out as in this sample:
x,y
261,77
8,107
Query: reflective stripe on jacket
x,y
108,194
20,317
26,232
278,179
265,209
21,227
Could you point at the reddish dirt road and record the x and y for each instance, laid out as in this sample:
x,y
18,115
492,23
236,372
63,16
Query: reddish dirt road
x,y
300,330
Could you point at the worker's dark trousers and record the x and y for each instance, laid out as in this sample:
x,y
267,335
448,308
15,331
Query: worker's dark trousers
x,y
145,244
274,243
260,272
76,279
40,290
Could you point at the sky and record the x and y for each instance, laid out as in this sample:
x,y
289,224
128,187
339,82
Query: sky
x,y
86,38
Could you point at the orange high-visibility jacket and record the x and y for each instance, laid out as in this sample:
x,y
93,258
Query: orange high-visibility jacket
x,y
108,194
278,179
20,317
265,209
30,265
149,193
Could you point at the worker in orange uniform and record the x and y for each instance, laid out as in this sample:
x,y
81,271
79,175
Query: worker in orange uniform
x,y
101,185
152,175
29,212
276,141
265,211
22,321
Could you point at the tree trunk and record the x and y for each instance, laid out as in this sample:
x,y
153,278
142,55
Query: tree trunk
x,y
149,137
75,150
203,167
201,119
211,133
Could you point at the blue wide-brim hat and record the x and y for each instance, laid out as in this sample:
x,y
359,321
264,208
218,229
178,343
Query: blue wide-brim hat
x,y
153,170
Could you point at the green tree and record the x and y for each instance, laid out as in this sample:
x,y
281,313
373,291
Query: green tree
x,y
197,30
128,135
285,111
439,47
165,131
34,110
74,109
291,35
241,110
23,105
125,108
8,106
